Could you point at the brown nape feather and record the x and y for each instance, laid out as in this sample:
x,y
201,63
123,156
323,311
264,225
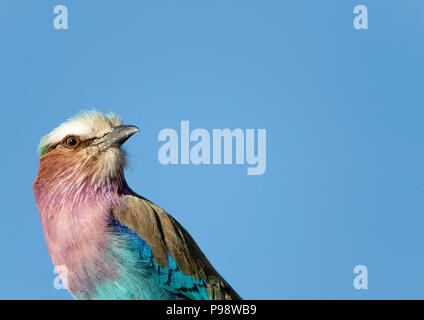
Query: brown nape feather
x,y
60,164
53,166
80,164
161,231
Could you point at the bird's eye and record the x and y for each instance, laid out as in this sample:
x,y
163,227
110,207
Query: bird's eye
x,y
72,142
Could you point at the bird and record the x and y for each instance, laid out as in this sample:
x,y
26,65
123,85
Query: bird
x,y
112,243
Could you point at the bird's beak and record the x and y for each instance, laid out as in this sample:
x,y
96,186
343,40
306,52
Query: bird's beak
x,y
116,137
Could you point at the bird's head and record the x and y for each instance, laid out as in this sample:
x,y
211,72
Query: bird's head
x,y
83,151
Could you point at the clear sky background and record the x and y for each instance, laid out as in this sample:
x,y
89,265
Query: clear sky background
x,y
343,110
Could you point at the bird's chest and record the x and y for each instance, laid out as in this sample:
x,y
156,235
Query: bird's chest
x,y
79,243
100,261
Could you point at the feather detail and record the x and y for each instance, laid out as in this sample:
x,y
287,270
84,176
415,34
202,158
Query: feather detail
x,y
164,234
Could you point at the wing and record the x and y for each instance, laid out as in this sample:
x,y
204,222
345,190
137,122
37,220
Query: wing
x,y
184,266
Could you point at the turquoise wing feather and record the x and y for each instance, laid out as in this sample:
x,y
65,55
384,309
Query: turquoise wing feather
x,y
176,284
168,255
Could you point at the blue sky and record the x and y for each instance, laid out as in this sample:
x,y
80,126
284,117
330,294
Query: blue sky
x,y
343,110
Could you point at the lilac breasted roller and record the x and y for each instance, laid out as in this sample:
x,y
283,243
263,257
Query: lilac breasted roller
x,y
113,243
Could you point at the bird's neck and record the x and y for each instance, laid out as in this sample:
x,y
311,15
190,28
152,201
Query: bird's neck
x,y
75,215
67,184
